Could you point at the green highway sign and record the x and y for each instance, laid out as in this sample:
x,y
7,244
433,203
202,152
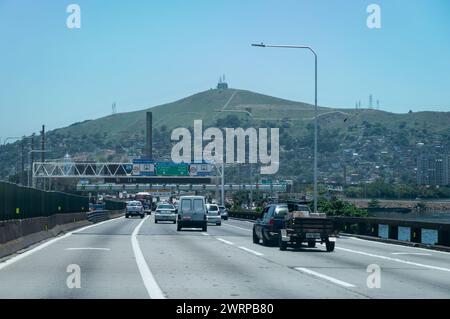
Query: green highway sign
x,y
172,170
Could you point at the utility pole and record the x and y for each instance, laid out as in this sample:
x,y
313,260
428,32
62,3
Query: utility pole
x,y
43,144
22,158
30,174
43,151
251,187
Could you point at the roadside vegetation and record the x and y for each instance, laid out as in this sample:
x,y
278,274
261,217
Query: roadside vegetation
x,y
384,190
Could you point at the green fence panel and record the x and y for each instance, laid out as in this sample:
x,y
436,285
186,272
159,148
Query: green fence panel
x,y
3,212
18,202
10,200
2,202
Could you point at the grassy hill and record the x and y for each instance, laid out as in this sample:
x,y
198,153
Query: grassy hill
x,y
120,137
205,105
253,107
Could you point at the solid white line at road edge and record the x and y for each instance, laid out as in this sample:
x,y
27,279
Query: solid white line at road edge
x,y
153,290
322,276
394,259
47,243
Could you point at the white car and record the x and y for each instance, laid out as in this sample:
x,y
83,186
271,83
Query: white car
x,y
165,212
213,216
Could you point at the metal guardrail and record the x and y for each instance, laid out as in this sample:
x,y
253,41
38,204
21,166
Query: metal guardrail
x,y
103,214
394,222
97,216
244,215
370,226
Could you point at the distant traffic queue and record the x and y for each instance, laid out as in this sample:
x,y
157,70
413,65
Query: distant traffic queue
x,y
143,167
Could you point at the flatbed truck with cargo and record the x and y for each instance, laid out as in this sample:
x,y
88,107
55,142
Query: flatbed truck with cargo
x,y
301,226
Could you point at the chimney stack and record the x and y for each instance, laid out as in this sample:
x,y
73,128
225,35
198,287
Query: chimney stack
x,y
149,137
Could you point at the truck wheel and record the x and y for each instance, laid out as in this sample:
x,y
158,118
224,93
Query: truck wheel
x,y
330,245
126,216
142,216
156,222
283,244
178,227
311,244
255,237
205,228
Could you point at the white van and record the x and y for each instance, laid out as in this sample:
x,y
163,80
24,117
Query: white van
x,y
192,213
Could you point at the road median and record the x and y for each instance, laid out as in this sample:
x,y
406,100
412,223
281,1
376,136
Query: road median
x,y
19,234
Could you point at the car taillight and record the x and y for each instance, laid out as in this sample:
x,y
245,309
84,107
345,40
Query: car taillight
x,y
271,222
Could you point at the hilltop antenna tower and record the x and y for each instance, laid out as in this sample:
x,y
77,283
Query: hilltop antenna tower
x,y
114,108
370,101
222,85
378,104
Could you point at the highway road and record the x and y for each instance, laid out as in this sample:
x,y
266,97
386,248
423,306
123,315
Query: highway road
x,y
134,258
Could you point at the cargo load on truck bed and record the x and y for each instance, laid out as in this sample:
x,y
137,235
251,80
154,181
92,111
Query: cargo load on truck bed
x,y
303,226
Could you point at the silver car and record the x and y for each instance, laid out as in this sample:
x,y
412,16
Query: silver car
x,y
223,212
134,208
213,214
165,212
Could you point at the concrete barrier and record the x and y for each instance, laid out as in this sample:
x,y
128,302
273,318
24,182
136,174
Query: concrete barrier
x,y
16,235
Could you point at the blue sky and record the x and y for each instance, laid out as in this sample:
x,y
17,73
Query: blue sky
x,y
145,53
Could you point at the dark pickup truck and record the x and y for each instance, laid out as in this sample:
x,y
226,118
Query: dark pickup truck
x,y
301,226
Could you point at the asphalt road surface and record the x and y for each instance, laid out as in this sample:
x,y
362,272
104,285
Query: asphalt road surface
x,y
134,258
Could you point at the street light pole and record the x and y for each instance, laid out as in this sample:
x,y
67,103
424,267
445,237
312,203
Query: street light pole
x,y
222,197
316,125
262,45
